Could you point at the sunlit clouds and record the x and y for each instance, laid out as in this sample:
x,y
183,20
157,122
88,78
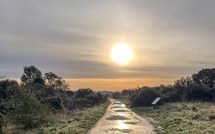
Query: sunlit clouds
x,y
114,84
75,40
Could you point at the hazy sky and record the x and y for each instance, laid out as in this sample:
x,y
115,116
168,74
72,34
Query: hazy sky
x,y
169,39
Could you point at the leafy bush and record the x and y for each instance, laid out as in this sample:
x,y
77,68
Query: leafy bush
x,y
26,109
54,103
68,104
8,87
116,95
81,93
197,93
103,98
145,98
80,103
69,93
93,97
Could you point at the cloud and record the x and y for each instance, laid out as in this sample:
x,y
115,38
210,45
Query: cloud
x,y
73,38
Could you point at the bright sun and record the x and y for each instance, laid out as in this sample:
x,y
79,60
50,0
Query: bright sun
x,y
121,53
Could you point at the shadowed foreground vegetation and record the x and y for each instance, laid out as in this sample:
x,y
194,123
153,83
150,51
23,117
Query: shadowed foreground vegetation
x,y
44,104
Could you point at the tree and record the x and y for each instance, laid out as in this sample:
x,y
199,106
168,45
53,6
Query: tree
x,y
183,82
50,79
205,77
32,75
181,87
61,84
54,81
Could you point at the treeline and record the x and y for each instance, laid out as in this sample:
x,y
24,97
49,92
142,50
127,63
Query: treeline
x,y
28,103
198,87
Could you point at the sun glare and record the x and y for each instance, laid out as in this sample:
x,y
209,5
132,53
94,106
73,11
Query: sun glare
x,y
121,53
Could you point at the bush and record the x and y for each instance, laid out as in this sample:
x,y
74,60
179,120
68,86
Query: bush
x,y
80,103
54,103
69,93
145,98
93,97
7,88
26,109
116,95
197,93
102,98
81,93
68,104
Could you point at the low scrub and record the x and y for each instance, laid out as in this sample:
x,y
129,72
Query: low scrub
x,y
181,118
144,98
81,103
76,122
25,109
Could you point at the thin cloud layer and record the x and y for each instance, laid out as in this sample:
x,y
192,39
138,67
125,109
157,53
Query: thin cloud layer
x,y
73,39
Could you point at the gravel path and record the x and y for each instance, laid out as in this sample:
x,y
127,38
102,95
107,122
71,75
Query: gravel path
x,y
121,120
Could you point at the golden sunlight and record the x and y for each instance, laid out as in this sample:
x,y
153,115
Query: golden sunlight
x,y
121,53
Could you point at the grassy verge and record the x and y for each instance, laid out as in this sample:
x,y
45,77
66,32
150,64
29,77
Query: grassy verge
x,y
182,118
76,122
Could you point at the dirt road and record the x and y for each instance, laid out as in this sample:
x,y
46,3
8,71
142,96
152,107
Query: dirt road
x,y
120,120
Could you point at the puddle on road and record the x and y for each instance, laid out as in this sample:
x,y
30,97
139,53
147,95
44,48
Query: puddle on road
x,y
117,117
131,123
117,103
116,107
121,110
122,114
119,106
120,130
122,127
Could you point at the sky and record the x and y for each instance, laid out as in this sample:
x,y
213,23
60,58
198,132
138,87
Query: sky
x,y
74,39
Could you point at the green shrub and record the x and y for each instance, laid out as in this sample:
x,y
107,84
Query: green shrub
x,y
54,103
145,98
80,103
93,97
68,104
116,95
26,109
69,93
7,88
81,93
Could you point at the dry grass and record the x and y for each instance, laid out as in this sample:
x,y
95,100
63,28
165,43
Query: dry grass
x,y
182,118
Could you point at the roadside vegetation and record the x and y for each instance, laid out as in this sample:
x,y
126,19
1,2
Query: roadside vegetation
x,y
181,118
44,104
187,105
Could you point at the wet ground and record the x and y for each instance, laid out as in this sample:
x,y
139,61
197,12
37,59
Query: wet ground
x,y
121,120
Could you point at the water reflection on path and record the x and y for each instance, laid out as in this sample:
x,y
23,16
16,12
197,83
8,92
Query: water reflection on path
x,y
120,120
